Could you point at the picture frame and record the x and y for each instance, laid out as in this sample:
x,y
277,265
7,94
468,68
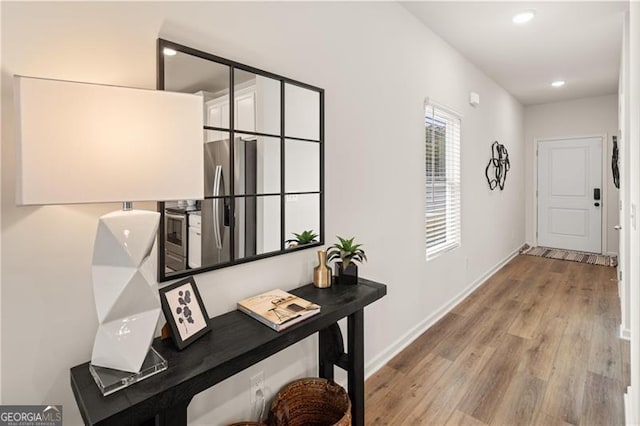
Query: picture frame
x,y
184,311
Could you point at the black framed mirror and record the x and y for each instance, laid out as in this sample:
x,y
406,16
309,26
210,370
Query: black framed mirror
x,y
263,159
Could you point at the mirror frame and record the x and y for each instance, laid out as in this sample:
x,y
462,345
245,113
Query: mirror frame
x,y
162,275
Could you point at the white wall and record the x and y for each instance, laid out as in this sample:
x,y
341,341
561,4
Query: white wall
x,y
623,124
632,28
376,62
1,107
582,117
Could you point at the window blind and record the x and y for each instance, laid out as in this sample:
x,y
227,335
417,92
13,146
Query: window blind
x,y
442,165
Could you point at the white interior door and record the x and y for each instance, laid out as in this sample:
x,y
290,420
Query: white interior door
x,y
569,208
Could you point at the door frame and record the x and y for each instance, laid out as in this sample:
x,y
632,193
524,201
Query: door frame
x,y
604,232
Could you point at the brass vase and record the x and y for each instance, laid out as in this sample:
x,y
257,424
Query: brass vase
x,y
322,273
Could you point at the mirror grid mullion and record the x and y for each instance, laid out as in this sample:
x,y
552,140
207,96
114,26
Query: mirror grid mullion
x,y
282,168
232,94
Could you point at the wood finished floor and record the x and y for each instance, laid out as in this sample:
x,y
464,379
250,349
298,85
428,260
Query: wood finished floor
x,y
536,344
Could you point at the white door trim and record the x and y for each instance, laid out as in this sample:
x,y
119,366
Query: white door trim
x,y
603,185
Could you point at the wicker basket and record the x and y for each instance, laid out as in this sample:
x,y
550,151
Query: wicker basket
x,y
311,402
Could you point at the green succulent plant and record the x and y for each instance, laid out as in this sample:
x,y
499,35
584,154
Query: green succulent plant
x,y
347,252
305,237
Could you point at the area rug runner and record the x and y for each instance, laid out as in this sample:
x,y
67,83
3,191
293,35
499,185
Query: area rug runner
x,y
574,256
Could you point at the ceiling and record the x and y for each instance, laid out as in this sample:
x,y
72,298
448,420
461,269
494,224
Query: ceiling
x,y
578,42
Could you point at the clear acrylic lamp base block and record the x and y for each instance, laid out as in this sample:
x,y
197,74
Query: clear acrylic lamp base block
x,y
110,380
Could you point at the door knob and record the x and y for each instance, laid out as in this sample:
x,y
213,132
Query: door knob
x,y
596,204
617,227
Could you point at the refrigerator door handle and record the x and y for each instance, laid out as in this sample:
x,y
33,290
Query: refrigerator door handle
x,y
216,206
226,208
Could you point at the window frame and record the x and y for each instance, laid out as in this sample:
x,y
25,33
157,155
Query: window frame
x,y
452,184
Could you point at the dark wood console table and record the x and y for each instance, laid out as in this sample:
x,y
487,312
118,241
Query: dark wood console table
x,y
236,342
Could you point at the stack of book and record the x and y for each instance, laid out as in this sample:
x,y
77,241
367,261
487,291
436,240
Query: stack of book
x,y
278,309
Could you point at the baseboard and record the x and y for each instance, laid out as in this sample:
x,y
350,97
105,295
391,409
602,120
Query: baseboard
x,y
407,338
625,333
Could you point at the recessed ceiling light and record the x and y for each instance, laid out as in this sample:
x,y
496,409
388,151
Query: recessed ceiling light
x,y
169,52
524,17
558,83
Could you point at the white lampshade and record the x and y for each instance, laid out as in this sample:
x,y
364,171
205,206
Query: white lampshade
x,y
90,143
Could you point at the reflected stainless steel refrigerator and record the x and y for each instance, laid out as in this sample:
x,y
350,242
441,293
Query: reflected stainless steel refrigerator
x,y
216,212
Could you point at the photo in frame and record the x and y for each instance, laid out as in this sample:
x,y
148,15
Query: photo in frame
x,y
184,311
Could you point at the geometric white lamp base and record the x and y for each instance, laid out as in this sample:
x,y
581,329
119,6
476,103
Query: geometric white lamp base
x,y
125,289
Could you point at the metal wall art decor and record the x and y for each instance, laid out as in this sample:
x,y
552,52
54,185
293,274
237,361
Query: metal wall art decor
x,y
615,170
498,166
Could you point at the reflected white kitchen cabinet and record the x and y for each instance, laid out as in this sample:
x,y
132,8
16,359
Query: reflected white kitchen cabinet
x,y
245,110
217,113
195,240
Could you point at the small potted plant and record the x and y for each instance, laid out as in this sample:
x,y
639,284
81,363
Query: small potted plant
x,y
348,253
305,237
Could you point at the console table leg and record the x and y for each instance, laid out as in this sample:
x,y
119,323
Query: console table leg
x,y
330,348
355,350
325,370
173,416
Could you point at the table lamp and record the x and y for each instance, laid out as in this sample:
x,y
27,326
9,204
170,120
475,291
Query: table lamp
x,y
90,143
